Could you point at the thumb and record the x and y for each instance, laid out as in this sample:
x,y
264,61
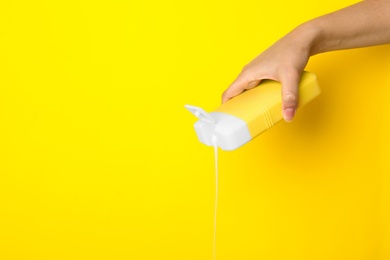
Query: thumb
x,y
290,96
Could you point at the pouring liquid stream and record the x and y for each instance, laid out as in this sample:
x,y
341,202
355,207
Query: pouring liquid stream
x,y
214,141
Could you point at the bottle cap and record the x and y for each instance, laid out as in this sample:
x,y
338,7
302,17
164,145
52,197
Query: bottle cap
x,y
227,131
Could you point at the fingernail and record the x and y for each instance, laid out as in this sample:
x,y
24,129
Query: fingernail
x,y
288,114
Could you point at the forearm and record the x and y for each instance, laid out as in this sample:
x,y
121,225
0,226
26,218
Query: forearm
x,y
360,25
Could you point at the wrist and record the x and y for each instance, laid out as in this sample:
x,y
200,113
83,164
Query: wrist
x,y
310,36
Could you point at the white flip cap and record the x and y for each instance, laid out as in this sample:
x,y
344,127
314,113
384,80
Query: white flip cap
x,y
231,132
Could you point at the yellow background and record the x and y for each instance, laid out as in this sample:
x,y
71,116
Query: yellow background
x,y
99,159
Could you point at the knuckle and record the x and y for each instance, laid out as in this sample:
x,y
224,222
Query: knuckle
x,y
290,100
246,74
290,97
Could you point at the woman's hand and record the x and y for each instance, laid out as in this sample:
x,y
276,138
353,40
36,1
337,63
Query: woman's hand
x,y
363,24
284,61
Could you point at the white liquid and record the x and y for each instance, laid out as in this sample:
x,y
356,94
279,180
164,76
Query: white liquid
x,y
214,140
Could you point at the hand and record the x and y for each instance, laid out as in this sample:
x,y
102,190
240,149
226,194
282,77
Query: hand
x,y
366,23
284,61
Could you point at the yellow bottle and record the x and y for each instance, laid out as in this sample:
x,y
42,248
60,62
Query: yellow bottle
x,y
244,117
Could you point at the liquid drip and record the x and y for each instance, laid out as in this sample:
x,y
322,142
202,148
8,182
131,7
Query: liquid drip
x,y
214,141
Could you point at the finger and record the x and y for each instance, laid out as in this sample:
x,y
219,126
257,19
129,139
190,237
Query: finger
x,y
290,96
238,86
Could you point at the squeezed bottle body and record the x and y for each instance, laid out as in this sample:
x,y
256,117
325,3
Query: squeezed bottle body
x,y
246,116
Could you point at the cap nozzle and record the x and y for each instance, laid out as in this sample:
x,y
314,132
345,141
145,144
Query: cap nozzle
x,y
201,114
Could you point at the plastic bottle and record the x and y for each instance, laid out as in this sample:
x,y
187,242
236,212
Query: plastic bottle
x,y
249,114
